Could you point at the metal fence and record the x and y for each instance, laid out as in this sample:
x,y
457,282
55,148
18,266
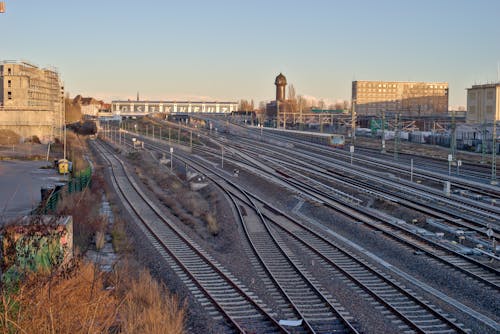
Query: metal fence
x,y
51,196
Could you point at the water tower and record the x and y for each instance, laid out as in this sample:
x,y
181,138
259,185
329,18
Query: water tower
x,y
280,83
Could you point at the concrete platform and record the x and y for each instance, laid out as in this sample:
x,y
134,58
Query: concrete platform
x,y
20,184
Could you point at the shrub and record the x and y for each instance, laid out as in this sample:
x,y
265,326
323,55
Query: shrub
x,y
119,237
83,206
212,224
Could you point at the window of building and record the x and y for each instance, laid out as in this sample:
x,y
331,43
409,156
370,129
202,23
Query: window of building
x,y
9,71
489,94
9,83
489,109
9,95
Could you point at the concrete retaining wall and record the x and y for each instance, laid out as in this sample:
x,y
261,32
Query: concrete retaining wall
x,y
26,123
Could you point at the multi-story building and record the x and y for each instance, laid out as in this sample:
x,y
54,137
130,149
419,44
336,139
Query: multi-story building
x,y
88,105
483,103
31,100
407,98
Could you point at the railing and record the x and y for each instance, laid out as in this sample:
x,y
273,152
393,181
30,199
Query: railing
x,y
78,182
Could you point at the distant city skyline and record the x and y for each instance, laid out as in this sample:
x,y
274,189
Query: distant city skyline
x,y
230,50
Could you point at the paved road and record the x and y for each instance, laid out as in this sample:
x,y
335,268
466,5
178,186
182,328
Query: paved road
x,y
20,184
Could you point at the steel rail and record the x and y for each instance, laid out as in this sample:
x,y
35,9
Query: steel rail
x,y
193,248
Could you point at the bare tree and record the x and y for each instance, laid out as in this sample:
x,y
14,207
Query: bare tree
x,y
321,104
245,105
347,105
292,99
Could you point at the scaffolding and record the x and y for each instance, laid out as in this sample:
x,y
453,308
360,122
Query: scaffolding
x,y
35,99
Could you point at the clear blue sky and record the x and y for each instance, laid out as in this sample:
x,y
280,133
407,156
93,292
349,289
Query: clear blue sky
x,y
227,50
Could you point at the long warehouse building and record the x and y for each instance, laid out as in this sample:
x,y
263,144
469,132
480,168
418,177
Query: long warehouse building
x,y
141,108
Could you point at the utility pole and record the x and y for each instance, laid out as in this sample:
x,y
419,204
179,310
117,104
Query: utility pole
x,y
396,137
301,126
353,123
483,142
277,114
494,152
383,131
284,117
222,157
453,143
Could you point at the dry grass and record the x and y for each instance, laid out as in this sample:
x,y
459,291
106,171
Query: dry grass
x,y
76,149
212,224
9,137
84,207
119,237
193,203
190,207
149,308
75,303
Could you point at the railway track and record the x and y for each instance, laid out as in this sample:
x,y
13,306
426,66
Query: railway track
x,y
382,163
229,303
464,214
478,172
413,245
417,316
460,262
318,309
296,292
459,213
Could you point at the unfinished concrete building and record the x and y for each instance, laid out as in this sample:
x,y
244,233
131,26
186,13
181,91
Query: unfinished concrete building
x,y
31,100
406,98
483,104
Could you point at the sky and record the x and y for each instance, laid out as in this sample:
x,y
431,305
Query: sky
x,y
226,50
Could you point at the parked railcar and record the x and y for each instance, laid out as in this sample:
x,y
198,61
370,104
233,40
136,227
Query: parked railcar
x,y
330,139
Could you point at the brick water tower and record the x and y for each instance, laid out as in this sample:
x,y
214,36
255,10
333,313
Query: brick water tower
x,y
280,83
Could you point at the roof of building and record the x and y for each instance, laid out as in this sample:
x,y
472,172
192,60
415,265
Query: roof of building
x,y
171,102
488,85
86,100
402,82
280,79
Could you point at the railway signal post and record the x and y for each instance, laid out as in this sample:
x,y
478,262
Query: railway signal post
x,y
171,158
450,159
222,157
411,170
